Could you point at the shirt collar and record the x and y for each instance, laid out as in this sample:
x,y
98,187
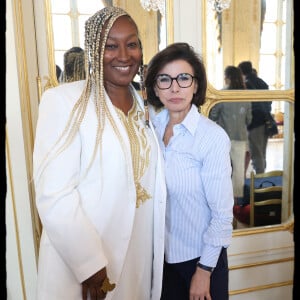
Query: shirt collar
x,y
190,122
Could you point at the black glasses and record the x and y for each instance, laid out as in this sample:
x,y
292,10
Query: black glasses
x,y
164,81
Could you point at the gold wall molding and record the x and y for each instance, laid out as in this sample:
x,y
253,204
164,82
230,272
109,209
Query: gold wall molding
x,y
287,226
14,212
261,263
260,287
39,87
169,21
26,104
51,79
265,286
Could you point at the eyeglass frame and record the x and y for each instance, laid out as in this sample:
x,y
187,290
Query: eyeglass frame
x,y
174,78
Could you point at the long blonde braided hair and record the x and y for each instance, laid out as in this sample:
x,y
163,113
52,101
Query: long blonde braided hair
x,y
97,28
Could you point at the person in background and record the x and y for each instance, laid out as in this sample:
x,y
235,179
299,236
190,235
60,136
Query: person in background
x,y
74,68
235,117
99,177
58,73
258,137
198,174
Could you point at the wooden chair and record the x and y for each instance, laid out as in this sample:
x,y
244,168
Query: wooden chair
x,y
265,201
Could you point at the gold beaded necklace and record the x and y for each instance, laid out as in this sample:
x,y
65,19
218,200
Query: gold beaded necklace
x,y
140,147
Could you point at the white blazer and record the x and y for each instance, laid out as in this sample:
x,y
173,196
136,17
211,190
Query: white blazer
x,y
87,217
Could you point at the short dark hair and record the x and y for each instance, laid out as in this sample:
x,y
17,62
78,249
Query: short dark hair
x,y
246,67
173,52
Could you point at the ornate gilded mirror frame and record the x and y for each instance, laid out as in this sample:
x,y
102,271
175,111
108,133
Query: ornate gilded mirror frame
x,y
214,96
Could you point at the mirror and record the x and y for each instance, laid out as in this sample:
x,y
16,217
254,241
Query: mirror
x,y
278,157
279,148
266,40
260,31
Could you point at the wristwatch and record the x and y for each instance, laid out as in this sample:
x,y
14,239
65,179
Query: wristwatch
x,y
204,267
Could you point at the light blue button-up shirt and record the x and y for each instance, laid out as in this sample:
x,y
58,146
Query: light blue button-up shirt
x,y
200,196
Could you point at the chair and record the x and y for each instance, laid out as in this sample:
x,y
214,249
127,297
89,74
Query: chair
x,y
265,201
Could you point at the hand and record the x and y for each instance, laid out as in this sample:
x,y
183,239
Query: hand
x,y
200,285
97,286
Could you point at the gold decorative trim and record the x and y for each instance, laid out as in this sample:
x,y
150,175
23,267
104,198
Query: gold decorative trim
x,y
213,95
261,263
39,86
169,21
204,44
14,211
26,115
51,80
287,226
261,287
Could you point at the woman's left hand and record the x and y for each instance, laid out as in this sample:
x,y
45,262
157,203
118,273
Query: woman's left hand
x,y
200,285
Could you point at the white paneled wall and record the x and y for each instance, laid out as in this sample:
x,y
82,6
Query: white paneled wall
x,y
20,255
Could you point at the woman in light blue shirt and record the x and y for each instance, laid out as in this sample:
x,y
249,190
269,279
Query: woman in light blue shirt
x,y
198,174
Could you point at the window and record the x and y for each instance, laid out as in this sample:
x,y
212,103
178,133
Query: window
x,y
273,44
68,18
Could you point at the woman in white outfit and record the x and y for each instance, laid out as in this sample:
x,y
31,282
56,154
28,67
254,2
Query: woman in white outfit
x,y
100,188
